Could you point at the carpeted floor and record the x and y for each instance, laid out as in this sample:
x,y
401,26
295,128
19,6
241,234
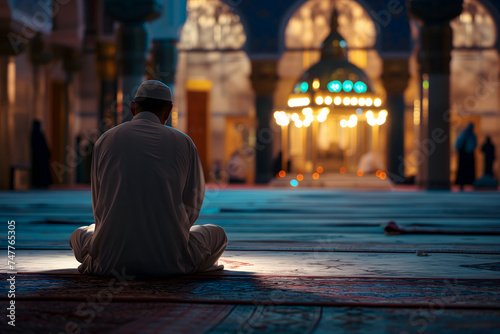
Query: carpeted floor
x,y
260,317
283,290
298,261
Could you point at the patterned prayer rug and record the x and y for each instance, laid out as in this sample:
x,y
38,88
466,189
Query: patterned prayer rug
x,y
280,290
187,318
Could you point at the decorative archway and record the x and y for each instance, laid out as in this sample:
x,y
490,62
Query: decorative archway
x,y
475,68
303,35
212,62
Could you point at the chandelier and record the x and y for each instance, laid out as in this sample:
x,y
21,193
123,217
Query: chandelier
x,y
333,86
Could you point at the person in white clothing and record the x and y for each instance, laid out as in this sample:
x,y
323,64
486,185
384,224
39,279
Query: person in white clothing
x,y
147,191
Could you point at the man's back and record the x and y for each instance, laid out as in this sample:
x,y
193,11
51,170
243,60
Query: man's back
x,y
147,190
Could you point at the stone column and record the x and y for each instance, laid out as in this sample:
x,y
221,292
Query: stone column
x,y
395,78
38,58
163,63
8,50
6,123
264,78
434,62
107,72
72,63
132,45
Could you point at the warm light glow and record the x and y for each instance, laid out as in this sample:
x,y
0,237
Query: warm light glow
x,y
354,101
347,101
306,123
315,176
295,117
298,123
353,121
377,173
362,101
307,111
343,170
360,172
381,120
319,100
377,102
371,121
316,84
328,100
319,169
382,175
300,177
337,101
369,102
282,173
343,123
282,118
416,112
321,118
383,113
298,102
294,183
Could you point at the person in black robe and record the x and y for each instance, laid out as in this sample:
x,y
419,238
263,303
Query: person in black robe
x,y
40,155
489,156
466,144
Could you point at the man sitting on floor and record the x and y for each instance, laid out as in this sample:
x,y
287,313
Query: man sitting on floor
x,y
147,192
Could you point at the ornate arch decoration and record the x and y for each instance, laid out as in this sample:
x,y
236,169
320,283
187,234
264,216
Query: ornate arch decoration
x,y
475,28
212,25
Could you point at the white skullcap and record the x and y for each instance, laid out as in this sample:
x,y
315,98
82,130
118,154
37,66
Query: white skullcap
x,y
154,89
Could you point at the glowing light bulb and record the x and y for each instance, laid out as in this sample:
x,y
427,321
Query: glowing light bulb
x,y
328,100
369,114
377,102
307,111
295,117
304,87
369,102
319,100
383,113
298,123
354,101
316,84
362,101
380,120
337,101
343,123
347,101
353,121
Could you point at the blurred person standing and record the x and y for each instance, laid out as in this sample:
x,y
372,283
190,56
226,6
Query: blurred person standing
x,y
466,144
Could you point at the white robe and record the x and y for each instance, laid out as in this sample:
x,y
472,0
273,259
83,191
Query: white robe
x,y
147,191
